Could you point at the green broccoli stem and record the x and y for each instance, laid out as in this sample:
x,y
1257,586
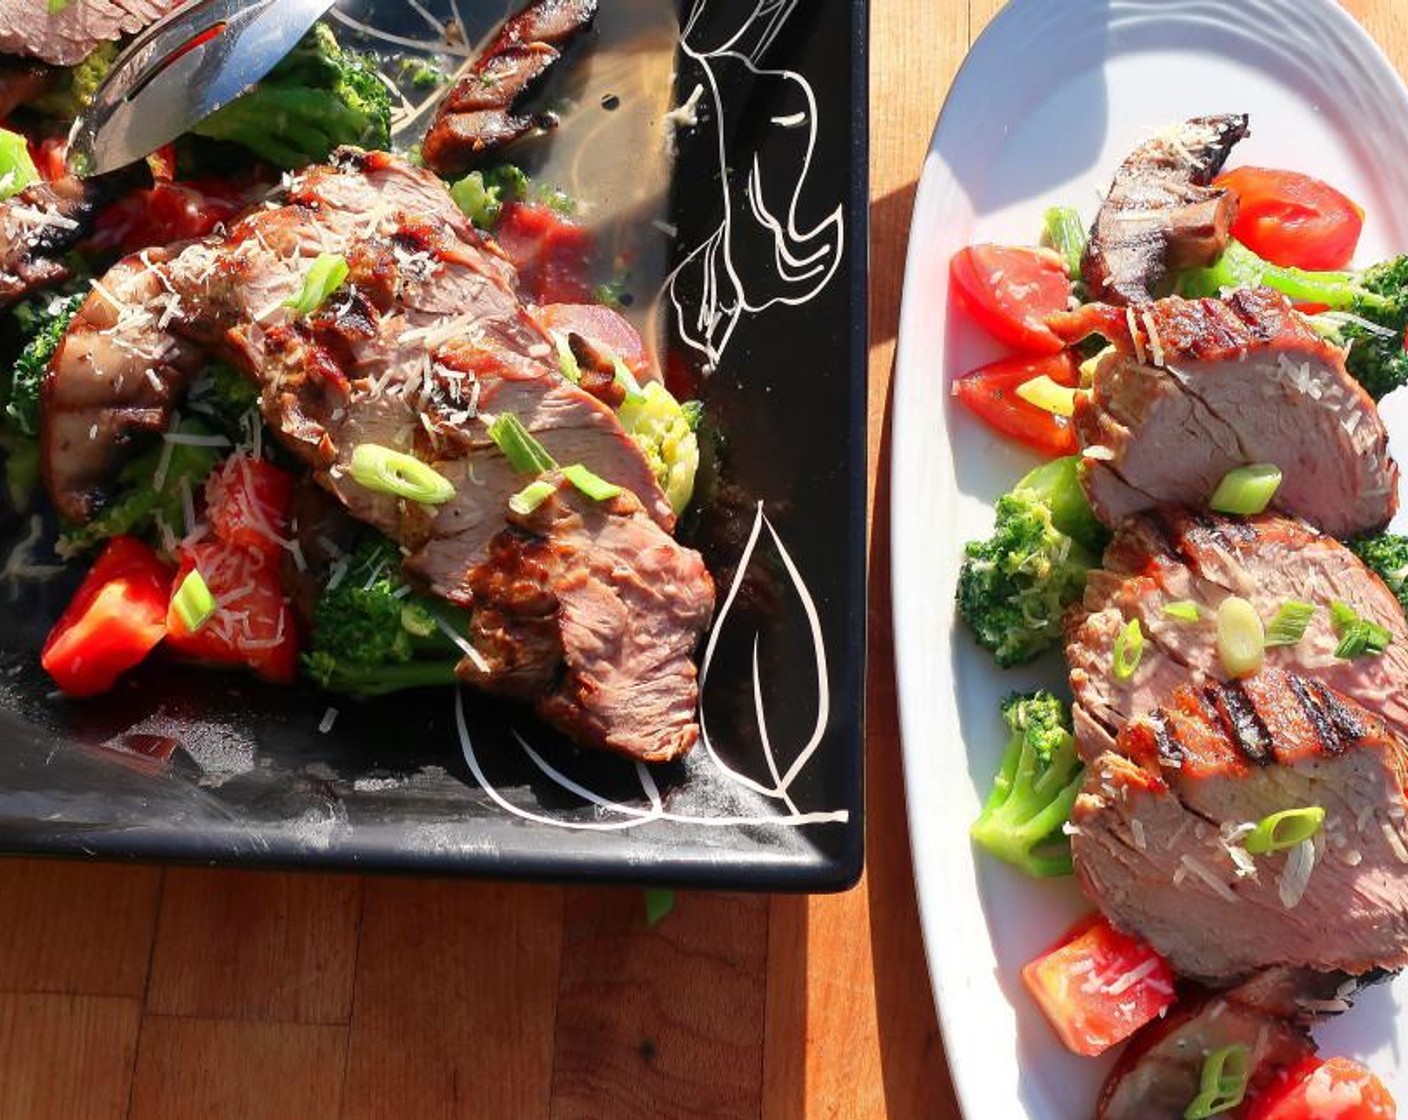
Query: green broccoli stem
x,y
379,680
1239,267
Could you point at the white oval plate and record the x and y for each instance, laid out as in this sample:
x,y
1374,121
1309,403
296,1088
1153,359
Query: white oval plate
x,y
1050,99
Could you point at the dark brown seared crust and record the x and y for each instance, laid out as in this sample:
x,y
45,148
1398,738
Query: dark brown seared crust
x,y
1160,214
483,111
1159,1072
40,225
1228,726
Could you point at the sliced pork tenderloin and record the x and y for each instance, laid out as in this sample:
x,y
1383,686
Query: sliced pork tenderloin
x,y
1172,555
1158,1074
484,110
64,34
582,610
116,376
1193,388
593,616
1158,827
1160,214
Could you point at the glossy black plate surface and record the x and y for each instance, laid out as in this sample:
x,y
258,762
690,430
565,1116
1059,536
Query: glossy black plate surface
x,y
753,250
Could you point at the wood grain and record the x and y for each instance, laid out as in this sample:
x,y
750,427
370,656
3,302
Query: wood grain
x,y
249,945
137,992
225,1068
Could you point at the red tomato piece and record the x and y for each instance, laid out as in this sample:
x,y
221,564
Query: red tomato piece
x,y
604,328
165,213
253,626
1009,291
116,618
1098,986
249,502
552,254
1293,219
1338,1089
990,393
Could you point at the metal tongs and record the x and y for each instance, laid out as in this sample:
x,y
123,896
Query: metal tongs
x,y
179,71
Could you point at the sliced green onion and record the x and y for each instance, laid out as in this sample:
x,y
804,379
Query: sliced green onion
x,y
17,169
532,496
1285,829
592,485
1246,490
394,472
1288,627
418,621
56,6
1359,636
1048,396
193,603
658,904
1185,610
525,454
1223,1082
328,273
1241,638
1129,648
1090,365
566,360
1066,232
626,379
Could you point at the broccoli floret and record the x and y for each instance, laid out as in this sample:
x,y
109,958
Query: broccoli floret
x,y
319,97
664,431
44,323
74,92
225,398
1367,310
371,637
482,194
1035,788
420,73
1387,555
150,494
1014,586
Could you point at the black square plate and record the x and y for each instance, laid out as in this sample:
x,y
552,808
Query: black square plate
x,y
760,230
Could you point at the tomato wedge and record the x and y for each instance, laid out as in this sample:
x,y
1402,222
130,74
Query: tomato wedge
x,y
248,502
552,253
1009,291
253,627
1338,1089
1098,986
990,393
115,619
1293,219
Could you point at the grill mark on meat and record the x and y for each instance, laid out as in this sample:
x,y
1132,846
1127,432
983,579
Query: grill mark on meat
x,y
1325,728
1241,720
1170,747
1348,726
483,112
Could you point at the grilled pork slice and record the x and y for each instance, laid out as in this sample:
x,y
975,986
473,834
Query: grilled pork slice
x,y
63,34
1158,1074
1160,214
580,610
425,343
1174,555
1194,388
483,112
1159,825
115,376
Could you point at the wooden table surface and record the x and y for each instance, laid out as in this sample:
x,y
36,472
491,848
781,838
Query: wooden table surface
x,y
143,992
